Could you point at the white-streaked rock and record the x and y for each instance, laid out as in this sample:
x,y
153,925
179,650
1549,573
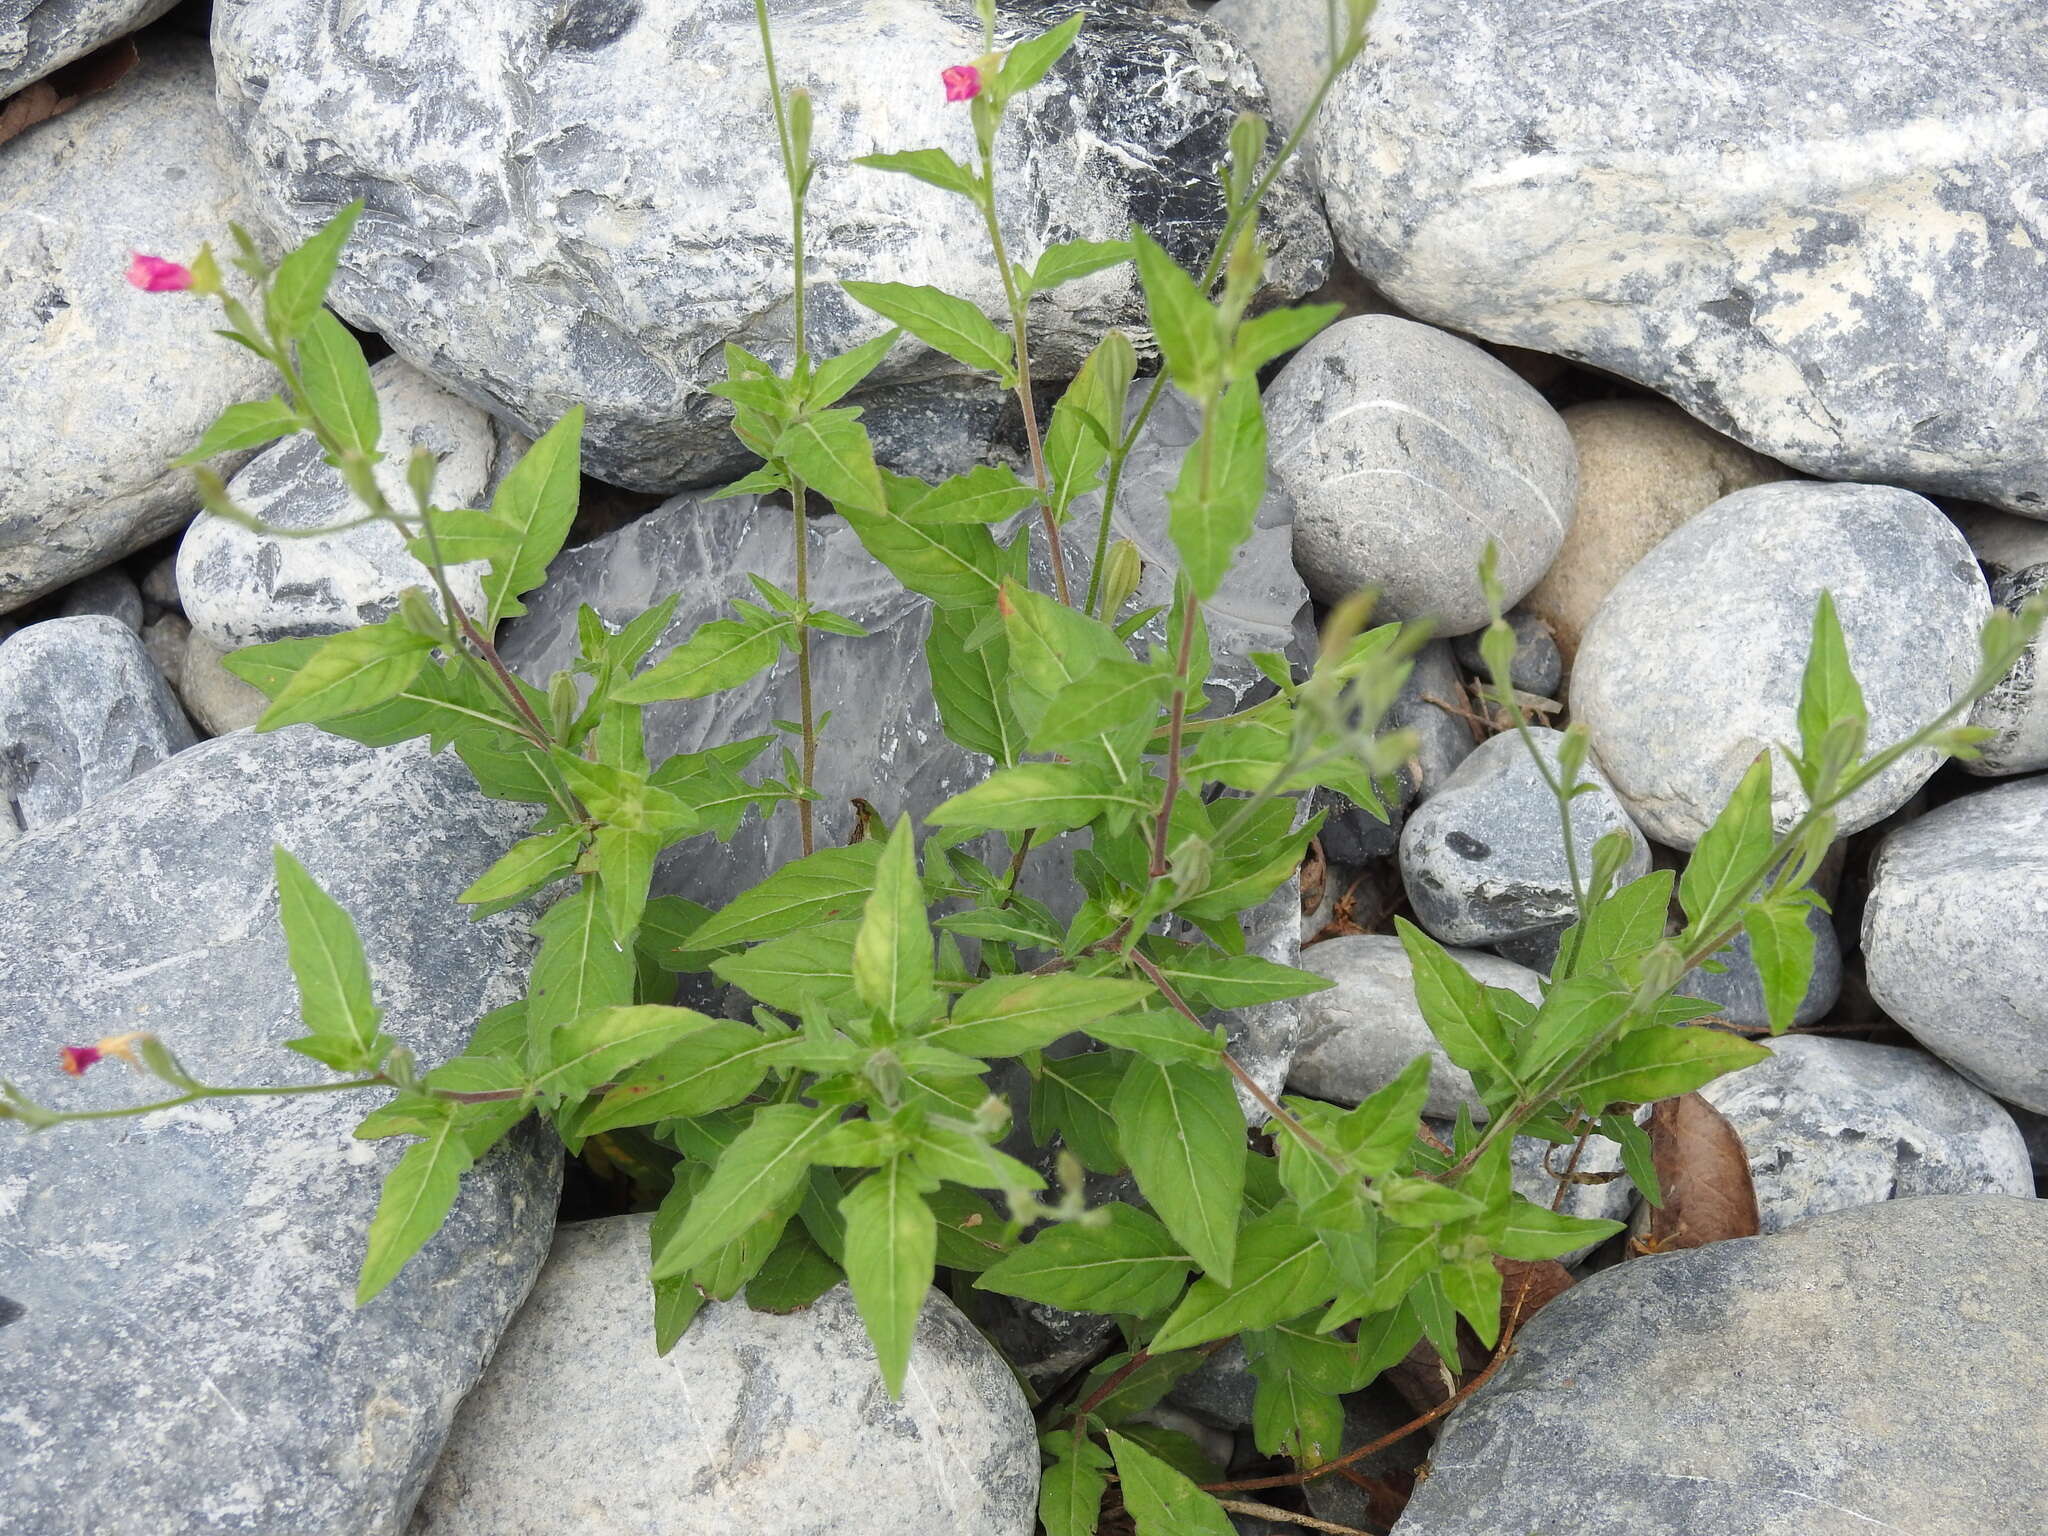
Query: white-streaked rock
x,y
38,37
1406,449
1290,42
1692,665
2016,710
753,1422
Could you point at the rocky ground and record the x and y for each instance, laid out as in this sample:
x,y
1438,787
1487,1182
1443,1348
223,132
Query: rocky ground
x,y
1695,309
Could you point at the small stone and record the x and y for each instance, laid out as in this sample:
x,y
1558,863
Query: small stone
x,y
2003,542
1645,469
1406,450
82,711
1831,1123
42,36
160,583
108,592
220,702
1739,988
1220,1390
1358,1036
104,385
189,1358
240,587
1756,1386
165,640
2016,710
1484,858
1693,664
1951,936
1536,668
1369,1415
753,1422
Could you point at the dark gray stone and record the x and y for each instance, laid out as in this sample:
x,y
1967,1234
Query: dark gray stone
x,y
1368,1416
164,640
38,37
107,592
753,1422
1950,936
1692,664
1406,450
583,206
1801,222
104,385
1484,858
189,1358
1537,667
1739,988
1756,1388
2017,709
2003,542
82,711
1831,1123
160,582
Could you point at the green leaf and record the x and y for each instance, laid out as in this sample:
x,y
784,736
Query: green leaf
x,y
1126,1264
580,967
244,426
417,1197
1071,259
1733,853
1070,1492
984,495
1276,333
299,286
838,376
1182,1136
955,565
326,957
949,325
350,671
1008,1015
969,684
934,167
1281,1271
1473,1287
831,453
892,951
1109,695
1052,797
891,1247
1378,1133
1781,947
1456,1008
1189,331
1088,418
764,1164
676,1300
1637,1156
1661,1062
713,1066
1209,979
814,964
1627,922
1026,62
720,655
1072,1099
591,1050
1161,1501
338,387
833,882
1421,1203
1160,1035
535,505
1292,1418
1537,1232
795,1274
1829,694
1052,647
1574,1013
1222,482
530,864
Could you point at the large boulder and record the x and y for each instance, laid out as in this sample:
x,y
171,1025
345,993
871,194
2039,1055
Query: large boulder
x,y
1757,1387
1806,223
1692,665
103,384
775,1424
38,37
1952,936
181,1352
583,204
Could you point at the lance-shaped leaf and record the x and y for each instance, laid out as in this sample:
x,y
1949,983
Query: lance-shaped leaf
x,y
1183,1137
249,425
1781,946
299,286
891,1246
764,1164
1161,1500
326,957
1190,331
712,1066
600,1045
984,495
1732,854
934,167
813,965
1027,62
1659,1063
416,1199
530,864
534,505
1089,417
350,672
1456,1008
1071,259
1129,1264
831,883
720,655
337,381
949,325
1281,1271
1008,1015
1537,1232
892,951
1222,482
955,565
1829,697
1052,797
581,967
970,684
1070,1492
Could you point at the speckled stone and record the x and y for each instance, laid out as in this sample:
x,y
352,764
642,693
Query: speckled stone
x,y
186,1356
164,640
1739,988
2017,708
1692,665
1951,936
1290,42
581,204
1357,1036
1803,222
82,711
1831,1123
1406,449
1536,666
1483,859
240,587
104,384
218,700
1645,468
40,36
753,1422
1756,1387
108,592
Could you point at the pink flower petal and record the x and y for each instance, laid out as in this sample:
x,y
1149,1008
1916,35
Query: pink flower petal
x,y
76,1058
152,274
963,82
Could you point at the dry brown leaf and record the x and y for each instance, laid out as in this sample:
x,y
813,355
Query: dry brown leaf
x,y
58,93
1704,1171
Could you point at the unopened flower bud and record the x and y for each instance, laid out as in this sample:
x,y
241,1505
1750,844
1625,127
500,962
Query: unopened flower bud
x,y
963,82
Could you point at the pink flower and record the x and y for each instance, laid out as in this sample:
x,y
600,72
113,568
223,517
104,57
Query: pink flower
x,y
152,274
76,1058
963,82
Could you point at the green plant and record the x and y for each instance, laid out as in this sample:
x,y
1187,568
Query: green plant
x,y
845,1128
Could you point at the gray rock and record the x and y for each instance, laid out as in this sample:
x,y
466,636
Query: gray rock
x,y
1484,858
187,1357
1831,1123
1357,1036
240,587
108,592
105,384
38,37
1739,987
2017,708
1536,668
1368,1415
160,582
1732,209
2003,542
2034,1129
1043,1344
1220,1390
596,234
219,701
165,640
82,711
1426,705
1951,936
1756,1388
1692,665
1406,450
754,1422
1290,42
